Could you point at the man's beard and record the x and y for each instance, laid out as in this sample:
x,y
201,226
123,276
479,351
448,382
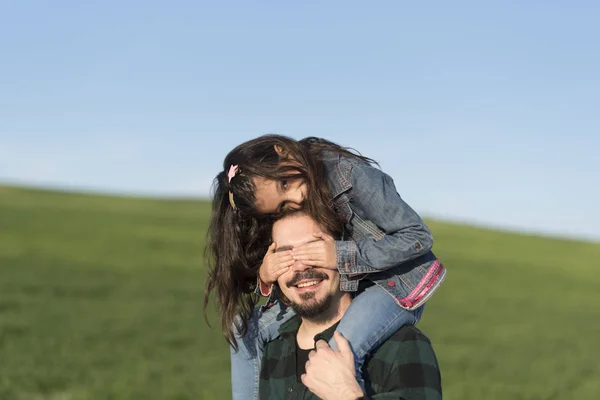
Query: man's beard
x,y
311,309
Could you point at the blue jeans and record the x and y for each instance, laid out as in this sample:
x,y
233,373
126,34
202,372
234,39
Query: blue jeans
x,y
264,327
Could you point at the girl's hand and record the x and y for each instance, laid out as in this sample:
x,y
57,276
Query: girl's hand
x,y
320,253
274,264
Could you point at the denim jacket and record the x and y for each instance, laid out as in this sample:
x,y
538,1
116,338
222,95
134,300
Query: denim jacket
x,y
386,241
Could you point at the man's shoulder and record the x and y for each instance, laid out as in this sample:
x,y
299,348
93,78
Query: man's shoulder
x,y
406,365
275,349
409,345
409,333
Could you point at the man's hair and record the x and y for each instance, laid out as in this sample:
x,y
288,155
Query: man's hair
x,y
335,231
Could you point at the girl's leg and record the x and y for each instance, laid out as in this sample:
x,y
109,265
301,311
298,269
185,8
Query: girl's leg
x,y
373,316
263,327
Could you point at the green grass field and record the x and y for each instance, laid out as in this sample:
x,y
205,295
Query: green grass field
x,y
101,298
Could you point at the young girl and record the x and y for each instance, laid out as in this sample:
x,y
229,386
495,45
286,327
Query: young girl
x,y
386,247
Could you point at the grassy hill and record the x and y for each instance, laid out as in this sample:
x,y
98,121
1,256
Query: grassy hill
x,y
100,298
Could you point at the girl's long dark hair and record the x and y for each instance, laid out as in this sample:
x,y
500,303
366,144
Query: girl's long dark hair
x,y
238,238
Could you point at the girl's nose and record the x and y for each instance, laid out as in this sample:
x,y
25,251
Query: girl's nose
x,y
295,199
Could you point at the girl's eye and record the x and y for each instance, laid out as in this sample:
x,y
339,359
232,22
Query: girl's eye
x,y
282,207
284,184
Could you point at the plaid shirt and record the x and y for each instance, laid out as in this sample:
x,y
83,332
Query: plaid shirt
x,y
403,367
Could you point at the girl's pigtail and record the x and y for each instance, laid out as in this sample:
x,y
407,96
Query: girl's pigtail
x,y
236,244
224,249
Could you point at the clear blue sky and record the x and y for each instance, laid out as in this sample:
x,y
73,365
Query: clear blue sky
x,y
481,111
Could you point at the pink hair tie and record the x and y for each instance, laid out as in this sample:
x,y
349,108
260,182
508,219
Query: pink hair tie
x,y
232,171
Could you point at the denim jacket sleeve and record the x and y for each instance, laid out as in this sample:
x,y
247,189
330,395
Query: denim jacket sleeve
x,y
404,236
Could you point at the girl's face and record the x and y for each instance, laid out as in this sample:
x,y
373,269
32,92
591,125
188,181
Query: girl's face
x,y
275,196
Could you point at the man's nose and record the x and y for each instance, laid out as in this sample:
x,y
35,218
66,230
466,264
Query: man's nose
x,y
299,266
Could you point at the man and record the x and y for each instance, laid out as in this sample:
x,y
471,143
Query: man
x,y
301,365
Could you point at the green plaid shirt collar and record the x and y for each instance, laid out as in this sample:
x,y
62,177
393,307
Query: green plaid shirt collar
x,y
289,329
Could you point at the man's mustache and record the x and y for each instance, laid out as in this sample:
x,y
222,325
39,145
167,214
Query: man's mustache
x,y
309,274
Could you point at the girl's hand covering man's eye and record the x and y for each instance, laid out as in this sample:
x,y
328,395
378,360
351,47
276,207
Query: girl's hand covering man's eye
x,y
274,264
318,253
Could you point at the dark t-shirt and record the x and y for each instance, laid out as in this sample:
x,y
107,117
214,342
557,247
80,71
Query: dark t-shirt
x,y
301,359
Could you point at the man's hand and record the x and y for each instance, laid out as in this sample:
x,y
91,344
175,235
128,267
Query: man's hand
x,y
330,374
320,253
274,264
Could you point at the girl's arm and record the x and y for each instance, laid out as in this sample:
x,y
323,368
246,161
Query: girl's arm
x,y
405,234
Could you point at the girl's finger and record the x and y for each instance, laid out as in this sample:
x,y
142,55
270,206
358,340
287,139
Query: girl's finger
x,y
284,257
285,264
309,245
308,256
312,249
280,272
276,257
310,260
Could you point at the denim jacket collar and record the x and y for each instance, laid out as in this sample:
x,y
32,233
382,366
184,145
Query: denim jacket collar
x,y
339,180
